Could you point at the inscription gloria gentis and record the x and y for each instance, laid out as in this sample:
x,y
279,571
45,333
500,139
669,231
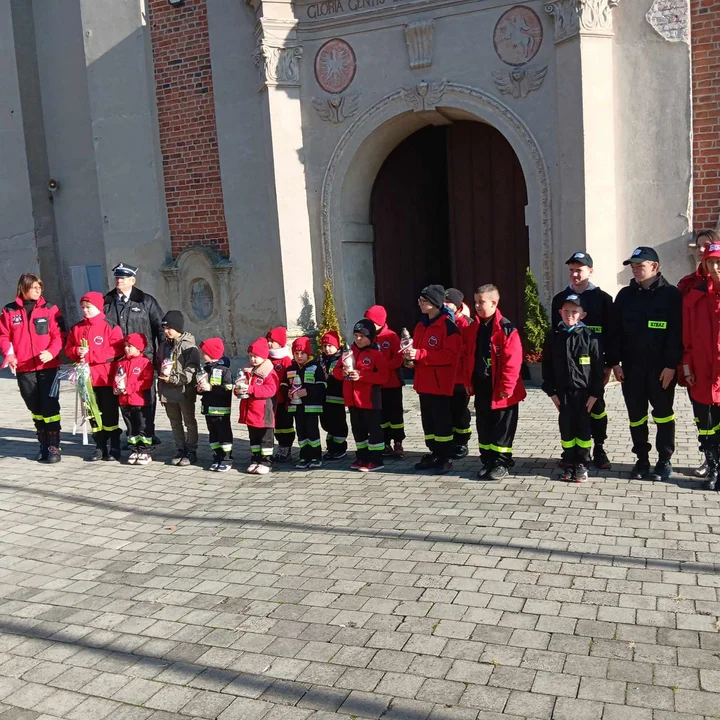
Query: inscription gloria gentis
x,y
330,8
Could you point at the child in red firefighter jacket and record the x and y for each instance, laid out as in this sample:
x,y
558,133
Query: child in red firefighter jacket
x,y
435,353
257,410
132,384
281,357
362,390
393,420
306,383
333,419
99,343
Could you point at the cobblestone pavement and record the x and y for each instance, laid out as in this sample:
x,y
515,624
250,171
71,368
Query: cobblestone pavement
x,y
159,592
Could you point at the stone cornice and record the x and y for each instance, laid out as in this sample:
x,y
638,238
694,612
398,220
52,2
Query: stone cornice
x,y
581,17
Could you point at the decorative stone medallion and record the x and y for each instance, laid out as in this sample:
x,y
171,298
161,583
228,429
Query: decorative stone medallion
x,y
335,66
518,35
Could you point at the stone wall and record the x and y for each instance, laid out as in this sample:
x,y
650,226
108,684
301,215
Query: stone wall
x,y
188,133
705,22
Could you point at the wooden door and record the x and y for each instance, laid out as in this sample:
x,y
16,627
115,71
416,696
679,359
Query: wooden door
x,y
409,213
487,199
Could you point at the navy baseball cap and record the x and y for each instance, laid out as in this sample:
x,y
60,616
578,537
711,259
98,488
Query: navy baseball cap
x,y
574,299
642,254
582,258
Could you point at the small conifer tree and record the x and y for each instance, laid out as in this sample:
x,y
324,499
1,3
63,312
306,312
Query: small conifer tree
x,y
537,324
329,319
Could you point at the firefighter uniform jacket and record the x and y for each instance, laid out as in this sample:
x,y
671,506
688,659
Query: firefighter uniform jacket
x,y
139,376
334,393
597,305
572,360
389,343
313,380
141,313
701,340
105,345
281,364
438,344
365,392
646,332
43,330
258,410
506,358
463,375
218,400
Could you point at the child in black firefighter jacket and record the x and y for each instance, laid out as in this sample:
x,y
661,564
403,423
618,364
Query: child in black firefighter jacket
x,y
573,378
306,384
333,419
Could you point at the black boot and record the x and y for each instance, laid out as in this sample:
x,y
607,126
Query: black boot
x,y
641,470
711,479
42,455
53,439
114,453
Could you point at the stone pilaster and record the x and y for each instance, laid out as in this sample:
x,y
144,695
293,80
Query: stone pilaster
x,y
585,90
278,55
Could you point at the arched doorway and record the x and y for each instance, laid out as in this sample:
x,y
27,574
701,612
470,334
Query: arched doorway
x,y
448,207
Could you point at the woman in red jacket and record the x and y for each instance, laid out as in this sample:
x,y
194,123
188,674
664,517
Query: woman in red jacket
x,y
31,338
701,358
99,343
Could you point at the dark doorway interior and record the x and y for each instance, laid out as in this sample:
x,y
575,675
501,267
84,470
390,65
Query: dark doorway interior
x,y
448,207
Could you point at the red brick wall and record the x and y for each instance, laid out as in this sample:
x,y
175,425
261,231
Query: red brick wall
x,y
188,134
705,27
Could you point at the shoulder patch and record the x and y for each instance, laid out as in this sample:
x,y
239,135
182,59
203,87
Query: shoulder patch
x,y
12,306
450,327
507,327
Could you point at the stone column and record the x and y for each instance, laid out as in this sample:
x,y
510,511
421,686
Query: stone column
x,y
277,56
586,133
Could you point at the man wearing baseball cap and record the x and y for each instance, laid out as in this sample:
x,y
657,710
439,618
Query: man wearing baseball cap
x,y
597,305
646,345
136,312
701,359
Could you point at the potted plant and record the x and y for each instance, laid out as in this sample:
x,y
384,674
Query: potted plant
x,y
535,329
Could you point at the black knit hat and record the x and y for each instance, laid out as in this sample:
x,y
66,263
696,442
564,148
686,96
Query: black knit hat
x,y
454,296
365,327
434,294
174,320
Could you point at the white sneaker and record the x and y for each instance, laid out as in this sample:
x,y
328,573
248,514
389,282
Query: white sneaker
x,y
132,459
223,467
252,468
263,469
214,467
143,459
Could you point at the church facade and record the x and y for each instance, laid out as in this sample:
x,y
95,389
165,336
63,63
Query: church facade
x,y
242,154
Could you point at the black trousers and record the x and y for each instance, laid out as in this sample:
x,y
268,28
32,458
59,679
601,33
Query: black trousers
x,y
574,421
368,434
436,416
307,425
461,418
150,415
334,423
35,391
642,387
599,420
707,419
393,415
496,430
137,418
284,429
261,444
220,435
109,407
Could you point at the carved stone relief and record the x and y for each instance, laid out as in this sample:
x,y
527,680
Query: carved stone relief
x,y
424,96
278,64
518,35
419,39
576,17
519,82
671,19
337,108
335,66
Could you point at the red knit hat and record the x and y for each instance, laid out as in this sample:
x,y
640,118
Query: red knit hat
x,y
302,344
213,347
137,340
94,298
330,338
378,314
260,348
278,335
